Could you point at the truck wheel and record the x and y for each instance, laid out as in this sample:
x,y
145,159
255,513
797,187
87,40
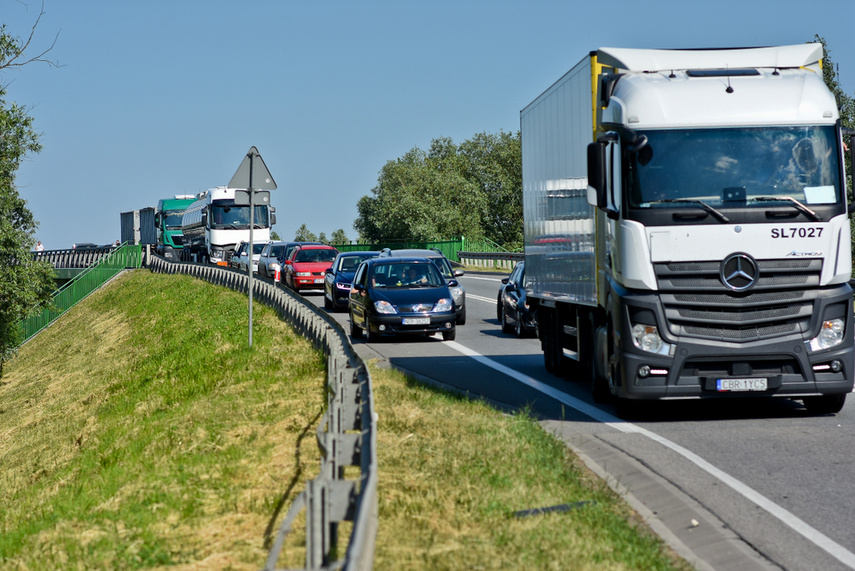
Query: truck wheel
x,y
826,404
552,353
599,380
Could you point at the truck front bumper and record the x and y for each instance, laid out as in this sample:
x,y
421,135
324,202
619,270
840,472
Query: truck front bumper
x,y
716,368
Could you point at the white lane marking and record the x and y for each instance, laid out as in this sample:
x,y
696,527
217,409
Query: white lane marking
x,y
789,519
498,278
479,298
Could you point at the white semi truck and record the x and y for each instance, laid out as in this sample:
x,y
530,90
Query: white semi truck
x,y
686,226
214,224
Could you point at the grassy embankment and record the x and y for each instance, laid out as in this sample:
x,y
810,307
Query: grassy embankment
x,y
139,432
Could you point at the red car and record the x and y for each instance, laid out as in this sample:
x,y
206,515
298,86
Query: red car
x,y
306,266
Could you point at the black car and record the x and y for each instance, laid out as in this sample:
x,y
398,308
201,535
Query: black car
x,y
399,296
449,273
511,306
339,278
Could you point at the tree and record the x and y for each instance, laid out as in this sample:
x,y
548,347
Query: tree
x,y
473,190
303,235
25,284
339,237
322,238
845,103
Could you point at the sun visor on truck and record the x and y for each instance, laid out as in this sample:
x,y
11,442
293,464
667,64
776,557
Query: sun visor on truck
x,y
627,59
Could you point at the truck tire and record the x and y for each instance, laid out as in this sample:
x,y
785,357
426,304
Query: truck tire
x,y
826,404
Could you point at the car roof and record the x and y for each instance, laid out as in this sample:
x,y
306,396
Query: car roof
x,y
316,247
398,260
417,252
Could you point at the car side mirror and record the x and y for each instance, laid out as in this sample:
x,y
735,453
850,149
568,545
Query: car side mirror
x,y
458,273
328,271
453,283
505,281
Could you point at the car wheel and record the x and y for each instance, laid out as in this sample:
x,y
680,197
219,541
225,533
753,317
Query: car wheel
x,y
373,337
499,308
355,330
518,328
461,320
327,303
449,335
506,327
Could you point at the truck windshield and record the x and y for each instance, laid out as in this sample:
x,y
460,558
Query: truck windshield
x,y
172,220
224,214
736,167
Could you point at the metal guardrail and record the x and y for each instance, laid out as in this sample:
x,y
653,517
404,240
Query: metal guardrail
x,y
74,258
347,434
503,260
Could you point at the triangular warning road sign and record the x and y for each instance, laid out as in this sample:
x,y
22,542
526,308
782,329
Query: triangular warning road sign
x,y
261,177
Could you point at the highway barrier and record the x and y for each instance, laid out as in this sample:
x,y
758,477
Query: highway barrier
x,y
347,434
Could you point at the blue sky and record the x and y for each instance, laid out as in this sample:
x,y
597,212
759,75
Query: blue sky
x,y
158,98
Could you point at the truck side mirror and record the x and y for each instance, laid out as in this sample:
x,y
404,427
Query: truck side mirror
x,y
272,219
205,219
597,184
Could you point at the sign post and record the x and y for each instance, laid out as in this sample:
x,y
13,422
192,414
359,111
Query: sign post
x,y
252,175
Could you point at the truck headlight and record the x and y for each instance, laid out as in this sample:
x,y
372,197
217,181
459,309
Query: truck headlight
x,y
830,334
646,338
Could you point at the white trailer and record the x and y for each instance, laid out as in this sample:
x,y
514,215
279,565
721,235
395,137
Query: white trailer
x,y
214,224
686,226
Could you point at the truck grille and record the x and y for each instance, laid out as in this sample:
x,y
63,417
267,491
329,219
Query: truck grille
x,y
697,304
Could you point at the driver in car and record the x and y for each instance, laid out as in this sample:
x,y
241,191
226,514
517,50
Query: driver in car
x,y
413,277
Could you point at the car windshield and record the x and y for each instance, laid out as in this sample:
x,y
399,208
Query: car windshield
x,y
276,251
257,248
736,167
405,275
316,255
350,263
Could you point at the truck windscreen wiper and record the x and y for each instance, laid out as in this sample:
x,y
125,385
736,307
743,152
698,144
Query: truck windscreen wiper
x,y
798,205
717,213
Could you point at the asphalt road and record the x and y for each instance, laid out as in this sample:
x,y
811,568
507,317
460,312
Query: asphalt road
x,y
730,485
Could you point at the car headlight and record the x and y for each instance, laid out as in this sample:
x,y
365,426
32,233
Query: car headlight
x,y
342,286
830,334
384,306
444,305
304,274
646,338
456,292
275,267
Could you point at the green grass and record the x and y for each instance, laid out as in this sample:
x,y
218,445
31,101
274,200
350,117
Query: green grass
x,y
139,432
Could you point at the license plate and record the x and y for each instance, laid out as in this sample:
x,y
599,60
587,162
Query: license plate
x,y
741,385
417,321
319,280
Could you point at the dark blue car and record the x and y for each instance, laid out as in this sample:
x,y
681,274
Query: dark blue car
x,y
401,296
339,277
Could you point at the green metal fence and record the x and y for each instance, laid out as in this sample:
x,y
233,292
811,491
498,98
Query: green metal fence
x,y
126,256
449,248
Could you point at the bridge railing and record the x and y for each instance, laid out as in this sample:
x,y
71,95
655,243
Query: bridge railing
x,y
347,434
74,258
106,265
